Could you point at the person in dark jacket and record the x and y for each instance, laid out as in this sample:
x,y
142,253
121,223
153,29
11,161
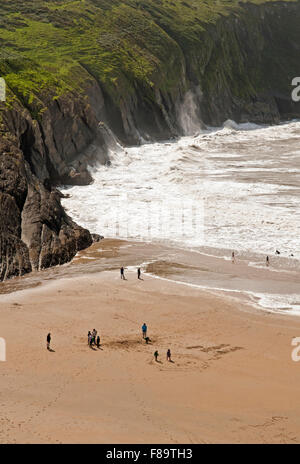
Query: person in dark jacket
x,y
48,341
169,355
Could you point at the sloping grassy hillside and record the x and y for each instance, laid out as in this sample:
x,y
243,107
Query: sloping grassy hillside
x,y
48,45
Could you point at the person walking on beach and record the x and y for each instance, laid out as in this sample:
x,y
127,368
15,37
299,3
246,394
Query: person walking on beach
x,y
98,342
169,355
156,355
48,341
122,273
233,257
139,273
144,330
267,261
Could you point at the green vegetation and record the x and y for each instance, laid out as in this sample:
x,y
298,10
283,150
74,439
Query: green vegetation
x,y
50,47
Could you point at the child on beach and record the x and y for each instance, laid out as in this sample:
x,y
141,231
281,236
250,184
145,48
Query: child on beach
x,y
169,355
156,355
122,273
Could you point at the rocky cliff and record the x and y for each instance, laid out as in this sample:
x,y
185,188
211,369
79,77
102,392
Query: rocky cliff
x,y
35,232
142,69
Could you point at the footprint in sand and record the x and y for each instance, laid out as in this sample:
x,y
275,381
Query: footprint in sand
x,y
148,412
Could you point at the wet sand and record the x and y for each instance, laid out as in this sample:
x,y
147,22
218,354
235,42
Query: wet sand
x,y
232,379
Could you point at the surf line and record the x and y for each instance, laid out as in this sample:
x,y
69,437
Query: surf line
x,y
255,298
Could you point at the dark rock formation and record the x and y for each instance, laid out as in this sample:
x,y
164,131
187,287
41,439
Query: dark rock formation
x,y
35,231
97,238
64,139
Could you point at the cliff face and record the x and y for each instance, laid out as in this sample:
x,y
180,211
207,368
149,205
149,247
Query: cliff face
x,y
251,61
35,232
239,67
35,155
78,71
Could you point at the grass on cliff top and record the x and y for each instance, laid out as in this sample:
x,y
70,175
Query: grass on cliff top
x,y
51,47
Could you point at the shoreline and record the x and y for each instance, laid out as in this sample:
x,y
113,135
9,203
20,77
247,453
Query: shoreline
x,y
265,288
173,263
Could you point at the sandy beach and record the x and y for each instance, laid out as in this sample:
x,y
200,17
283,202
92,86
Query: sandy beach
x,y
232,379
160,138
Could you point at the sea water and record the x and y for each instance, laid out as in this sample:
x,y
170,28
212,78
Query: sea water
x,y
235,187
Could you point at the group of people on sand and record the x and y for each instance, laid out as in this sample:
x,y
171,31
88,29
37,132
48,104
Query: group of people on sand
x,y
156,354
147,340
93,338
122,273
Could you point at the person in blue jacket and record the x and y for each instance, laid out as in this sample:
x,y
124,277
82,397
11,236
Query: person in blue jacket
x,y
144,330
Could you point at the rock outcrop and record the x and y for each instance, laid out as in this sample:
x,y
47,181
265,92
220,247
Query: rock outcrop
x,y
35,231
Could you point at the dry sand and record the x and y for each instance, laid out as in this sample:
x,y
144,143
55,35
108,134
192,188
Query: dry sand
x,y
232,379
